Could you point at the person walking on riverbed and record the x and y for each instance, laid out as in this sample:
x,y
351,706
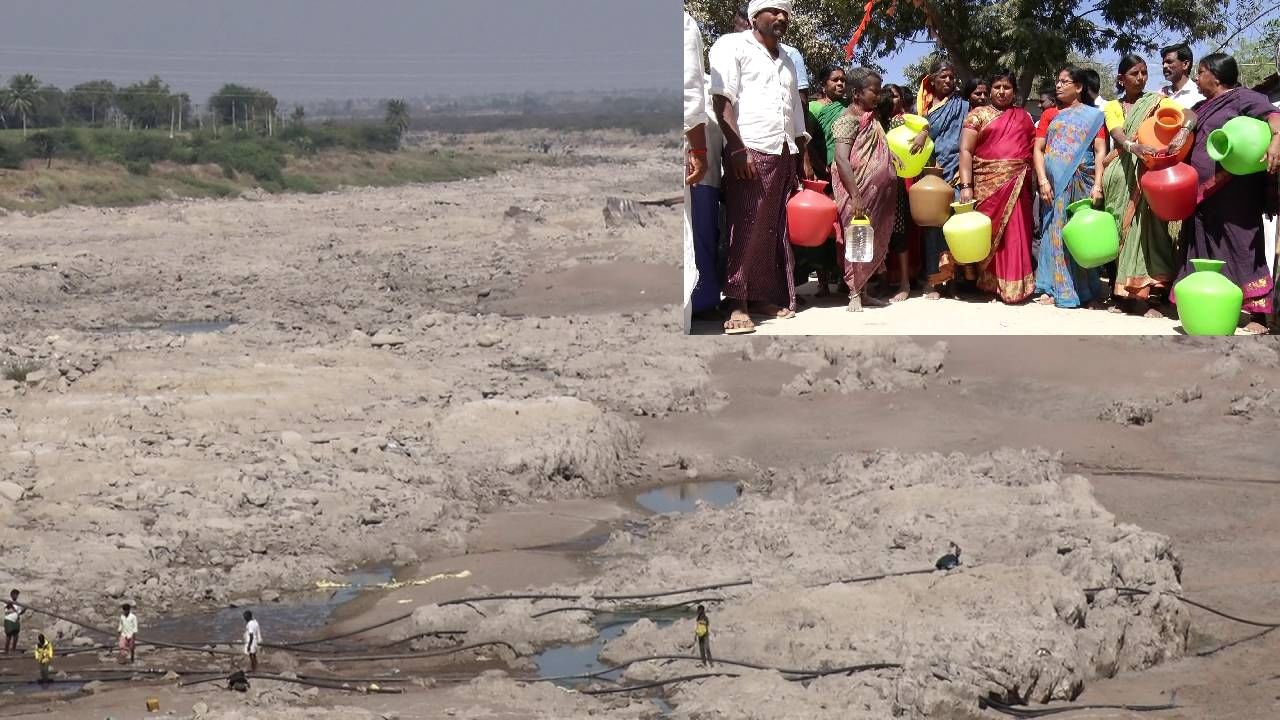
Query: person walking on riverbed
x,y
252,640
702,632
128,629
13,612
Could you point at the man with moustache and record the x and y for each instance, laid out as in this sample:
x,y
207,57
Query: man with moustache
x,y
758,109
1176,66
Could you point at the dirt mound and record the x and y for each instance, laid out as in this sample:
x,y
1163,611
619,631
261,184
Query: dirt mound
x,y
1014,620
543,448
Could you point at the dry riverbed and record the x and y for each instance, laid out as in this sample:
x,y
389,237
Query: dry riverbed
x,y
473,385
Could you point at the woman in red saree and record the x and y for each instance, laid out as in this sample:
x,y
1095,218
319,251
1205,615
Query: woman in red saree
x,y
995,169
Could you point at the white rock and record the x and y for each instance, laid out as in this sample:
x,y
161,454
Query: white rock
x,y
11,491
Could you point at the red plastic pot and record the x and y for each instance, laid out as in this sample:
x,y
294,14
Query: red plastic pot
x,y
811,215
1171,192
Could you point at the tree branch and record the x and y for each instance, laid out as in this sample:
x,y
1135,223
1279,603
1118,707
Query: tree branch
x,y
1247,25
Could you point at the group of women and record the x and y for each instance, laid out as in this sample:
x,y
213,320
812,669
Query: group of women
x,y
994,154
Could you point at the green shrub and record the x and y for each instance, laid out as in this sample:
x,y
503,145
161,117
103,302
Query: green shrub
x,y
138,167
13,154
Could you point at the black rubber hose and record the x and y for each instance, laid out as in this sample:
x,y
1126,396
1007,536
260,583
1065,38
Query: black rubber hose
x,y
870,578
414,656
737,663
635,610
658,683
332,685
1193,603
138,638
522,596
1025,712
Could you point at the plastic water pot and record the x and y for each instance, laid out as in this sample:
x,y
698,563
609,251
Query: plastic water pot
x,y
811,215
1171,192
1208,302
968,234
899,138
930,199
1240,145
1091,236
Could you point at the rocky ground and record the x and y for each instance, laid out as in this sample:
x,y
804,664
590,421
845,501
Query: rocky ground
x,y
458,377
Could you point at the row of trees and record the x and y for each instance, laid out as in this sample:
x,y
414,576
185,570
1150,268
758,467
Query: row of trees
x,y
1032,37
27,103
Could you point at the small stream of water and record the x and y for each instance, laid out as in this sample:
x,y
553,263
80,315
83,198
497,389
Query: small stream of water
x,y
584,658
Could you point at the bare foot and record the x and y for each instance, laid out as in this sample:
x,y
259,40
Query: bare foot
x,y
855,304
1255,328
932,294
1153,313
773,311
873,301
739,323
1045,300
903,293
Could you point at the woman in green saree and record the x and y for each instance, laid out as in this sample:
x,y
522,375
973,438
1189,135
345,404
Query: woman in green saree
x,y
1146,265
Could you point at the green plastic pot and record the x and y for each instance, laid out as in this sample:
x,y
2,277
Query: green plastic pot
x,y
1240,145
1091,236
1208,302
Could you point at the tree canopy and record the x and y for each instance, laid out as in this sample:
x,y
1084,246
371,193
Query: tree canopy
x,y
1031,37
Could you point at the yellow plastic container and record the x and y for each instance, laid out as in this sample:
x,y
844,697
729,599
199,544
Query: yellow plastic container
x,y
968,234
906,164
153,704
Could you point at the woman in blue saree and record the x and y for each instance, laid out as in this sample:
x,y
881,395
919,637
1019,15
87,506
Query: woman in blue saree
x,y
945,111
1070,147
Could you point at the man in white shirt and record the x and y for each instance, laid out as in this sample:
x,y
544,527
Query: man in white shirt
x,y
753,82
128,629
252,640
695,122
742,23
1176,66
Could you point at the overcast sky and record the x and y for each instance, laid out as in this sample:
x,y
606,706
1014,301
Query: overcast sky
x,y
315,49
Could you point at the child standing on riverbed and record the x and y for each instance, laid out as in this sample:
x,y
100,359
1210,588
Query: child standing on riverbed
x,y
252,640
702,631
128,629
44,657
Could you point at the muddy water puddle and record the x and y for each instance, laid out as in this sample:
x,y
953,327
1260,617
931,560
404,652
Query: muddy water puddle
x,y
685,497
292,619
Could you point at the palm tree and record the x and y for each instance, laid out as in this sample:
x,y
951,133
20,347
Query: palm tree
x,y
299,115
398,115
22,96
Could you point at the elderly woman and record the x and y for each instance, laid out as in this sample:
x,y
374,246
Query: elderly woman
x,y
995,170
865,181
1227,224
946,112
1145,267
1070,147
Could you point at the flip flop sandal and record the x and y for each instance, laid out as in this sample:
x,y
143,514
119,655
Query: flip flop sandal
x,y
750,328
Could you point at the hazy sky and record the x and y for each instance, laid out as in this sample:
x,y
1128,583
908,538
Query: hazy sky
x,y
314,49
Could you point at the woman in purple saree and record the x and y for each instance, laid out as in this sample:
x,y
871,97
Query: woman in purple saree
x,y
1227,224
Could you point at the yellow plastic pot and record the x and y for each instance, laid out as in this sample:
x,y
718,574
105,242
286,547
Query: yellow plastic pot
x,y
906,164
968,234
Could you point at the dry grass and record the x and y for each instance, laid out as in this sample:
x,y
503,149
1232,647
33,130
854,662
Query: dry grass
x,y
35,189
